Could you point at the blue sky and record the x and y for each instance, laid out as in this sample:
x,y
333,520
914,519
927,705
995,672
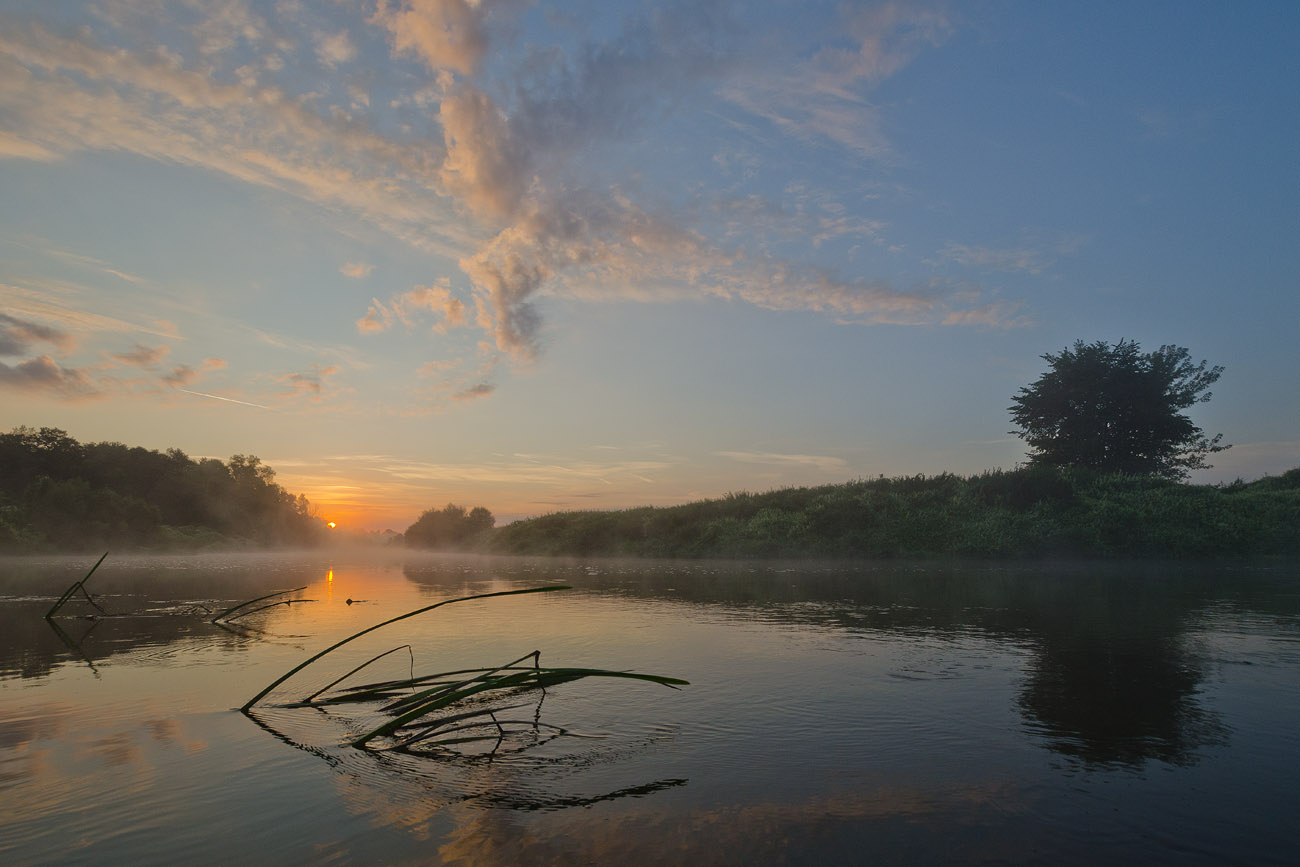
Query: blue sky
x,y
542,256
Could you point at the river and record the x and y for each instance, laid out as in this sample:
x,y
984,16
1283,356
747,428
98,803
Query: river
x,y
898,713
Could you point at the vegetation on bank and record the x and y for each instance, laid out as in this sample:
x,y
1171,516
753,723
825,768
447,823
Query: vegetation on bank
x,y
1036,511
58,494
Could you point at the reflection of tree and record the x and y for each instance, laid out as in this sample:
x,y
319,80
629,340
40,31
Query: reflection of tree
x,y
1114,682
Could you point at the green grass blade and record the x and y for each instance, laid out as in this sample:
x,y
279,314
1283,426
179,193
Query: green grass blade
x,y
336,682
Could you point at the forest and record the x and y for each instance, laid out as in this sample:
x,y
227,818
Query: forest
x,y
57,494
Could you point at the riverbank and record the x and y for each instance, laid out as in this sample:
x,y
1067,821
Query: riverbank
x,y
1029,512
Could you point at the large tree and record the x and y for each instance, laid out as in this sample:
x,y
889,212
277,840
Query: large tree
x,y
1115,408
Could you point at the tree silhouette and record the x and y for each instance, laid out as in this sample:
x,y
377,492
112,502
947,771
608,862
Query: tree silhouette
x,y
1116,409
449,527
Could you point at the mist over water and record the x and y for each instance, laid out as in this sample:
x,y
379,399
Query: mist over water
x,y
902,712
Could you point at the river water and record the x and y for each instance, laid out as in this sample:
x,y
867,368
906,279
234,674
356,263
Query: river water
x,y
881,713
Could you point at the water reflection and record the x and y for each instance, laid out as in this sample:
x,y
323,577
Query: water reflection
x,y
900,713
1112,677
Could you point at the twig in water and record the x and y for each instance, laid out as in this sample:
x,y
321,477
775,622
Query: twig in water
x,y
78,585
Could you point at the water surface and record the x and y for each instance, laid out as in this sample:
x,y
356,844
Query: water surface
x,y
899,713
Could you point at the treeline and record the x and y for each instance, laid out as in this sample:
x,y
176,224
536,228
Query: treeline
x,y
1027,512
57,494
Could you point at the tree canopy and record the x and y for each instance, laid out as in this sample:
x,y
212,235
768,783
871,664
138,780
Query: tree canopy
x,y
450,527
1116,409
57,493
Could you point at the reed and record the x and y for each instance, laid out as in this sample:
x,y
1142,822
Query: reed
x,y
297,668
71,591
515,683
453,707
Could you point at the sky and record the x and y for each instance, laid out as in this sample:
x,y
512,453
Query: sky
x,y
548,256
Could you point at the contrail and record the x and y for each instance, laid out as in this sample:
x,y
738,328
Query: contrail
x,y
219,397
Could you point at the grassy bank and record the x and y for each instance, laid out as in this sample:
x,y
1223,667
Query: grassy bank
x,y
1032,512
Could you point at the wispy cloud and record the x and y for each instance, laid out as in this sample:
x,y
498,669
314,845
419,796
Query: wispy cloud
x,y
1039,254
821,463
142,356
311,384
825,96
40,300
356,270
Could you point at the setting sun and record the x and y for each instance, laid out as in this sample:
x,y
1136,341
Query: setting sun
x,y
331,525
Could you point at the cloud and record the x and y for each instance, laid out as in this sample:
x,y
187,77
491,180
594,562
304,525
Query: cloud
x,y
14,147
824,97
40,299
995,315
406,307
310,384
143,356
356,270
181,376
987,259
444,34
184,375
474,392
334,49
44,375
492,159
821,463
1034,258
18,335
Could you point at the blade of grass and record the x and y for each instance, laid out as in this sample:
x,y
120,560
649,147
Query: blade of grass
x,y
418,697
251,601
537,679
334,683
255,699
264,607
389,689
78,585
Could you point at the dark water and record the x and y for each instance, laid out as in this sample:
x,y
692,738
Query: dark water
x,y
884,714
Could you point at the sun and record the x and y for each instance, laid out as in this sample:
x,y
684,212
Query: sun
x,y
331,525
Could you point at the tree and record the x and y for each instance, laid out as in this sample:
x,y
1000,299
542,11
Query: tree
x,y
449,527
1117,409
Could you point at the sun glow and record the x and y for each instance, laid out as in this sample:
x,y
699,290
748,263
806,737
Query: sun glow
x,y
331,525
